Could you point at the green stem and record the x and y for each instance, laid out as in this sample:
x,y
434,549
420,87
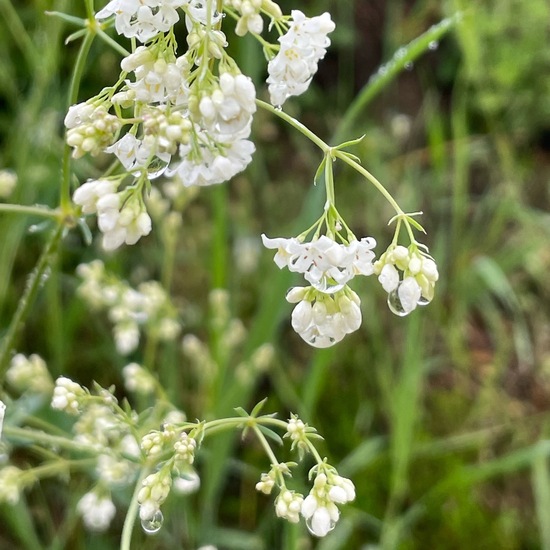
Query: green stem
x,y
265,444
35,280
47,439
65,199
29,210
295,124
130,519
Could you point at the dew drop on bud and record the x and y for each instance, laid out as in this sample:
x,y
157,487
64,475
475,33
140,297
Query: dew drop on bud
x,y
152,525
395,305
423,301
319,530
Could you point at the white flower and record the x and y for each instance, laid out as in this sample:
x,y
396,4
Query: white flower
x,y
288,505
89,193
305,43
8,181
322,319
187,483
10,484
97,512
319,507
122,225
137,379
154,490
29,374
142,19
408,276
67,395
90,129
327,265
228,109
209,167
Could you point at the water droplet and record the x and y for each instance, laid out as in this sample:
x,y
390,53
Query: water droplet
x,y
319,530
423,301
152,525
433,45
409,66
278,107
395,305
400,53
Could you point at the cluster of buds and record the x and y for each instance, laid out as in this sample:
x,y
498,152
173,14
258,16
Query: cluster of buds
x,y
29,374
408,276
129,309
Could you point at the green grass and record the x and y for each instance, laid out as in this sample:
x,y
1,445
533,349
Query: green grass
x,y
440,419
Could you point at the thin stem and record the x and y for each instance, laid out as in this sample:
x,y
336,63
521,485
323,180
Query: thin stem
x,y
43,211
47,439
65,199
265,444
295,124
329,180
131,514
35,280
112,43
314,452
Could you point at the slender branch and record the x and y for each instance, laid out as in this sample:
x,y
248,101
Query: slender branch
x,y
131,514
47,439
29,210
34,282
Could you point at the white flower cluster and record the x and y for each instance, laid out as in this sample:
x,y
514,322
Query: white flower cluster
x,y
11,484
97,511
288,505
325,264
319,507
185,449
90,128
302,47
250,19
154,491
148,306
328,309
138,380
8,181
29,374
408,276
142,19
68,396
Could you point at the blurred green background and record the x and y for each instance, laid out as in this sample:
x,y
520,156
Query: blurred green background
x,y
442,418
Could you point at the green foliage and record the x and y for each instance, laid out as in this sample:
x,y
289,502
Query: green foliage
x,y
441,419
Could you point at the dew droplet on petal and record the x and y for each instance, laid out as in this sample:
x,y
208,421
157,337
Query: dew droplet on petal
x,y
315,531
152,525
423,301
395,305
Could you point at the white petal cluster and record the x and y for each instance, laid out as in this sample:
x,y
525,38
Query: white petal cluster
x,y
113,470
122,221
302,47
227,109
142,19
29,374
325,264
99,427
288,505
319,507
90,128
8,181
67,396
184,448
187,483
10,484
97,511
408,277
205,165
154,490
129,309
323,320
89,193
138,380
157,79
